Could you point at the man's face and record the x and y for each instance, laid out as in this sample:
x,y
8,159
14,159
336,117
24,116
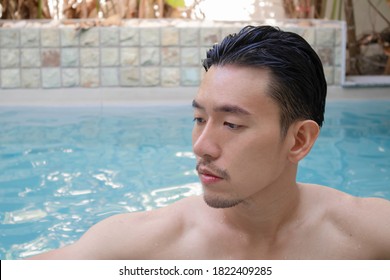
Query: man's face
x,y
236,135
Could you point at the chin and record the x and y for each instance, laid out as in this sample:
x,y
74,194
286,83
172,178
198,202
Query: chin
x,y
220,202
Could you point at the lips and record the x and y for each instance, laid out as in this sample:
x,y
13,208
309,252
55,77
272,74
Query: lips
x,y
208,177
205,171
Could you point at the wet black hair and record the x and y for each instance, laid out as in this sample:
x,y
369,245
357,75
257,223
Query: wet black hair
x,y
297,84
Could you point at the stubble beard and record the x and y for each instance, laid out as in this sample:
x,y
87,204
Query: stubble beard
x,y
218,202
213,200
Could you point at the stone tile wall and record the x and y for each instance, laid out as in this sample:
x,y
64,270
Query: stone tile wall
x,y
136,54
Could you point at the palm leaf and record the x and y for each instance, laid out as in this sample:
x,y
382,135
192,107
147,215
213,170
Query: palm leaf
x,y
176,3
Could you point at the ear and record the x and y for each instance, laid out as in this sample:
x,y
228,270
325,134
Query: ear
x,y
304,135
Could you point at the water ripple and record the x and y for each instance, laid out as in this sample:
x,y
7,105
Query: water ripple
x,y
64,170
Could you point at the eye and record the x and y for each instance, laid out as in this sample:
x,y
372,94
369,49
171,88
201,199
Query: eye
x,y
199,120
232,125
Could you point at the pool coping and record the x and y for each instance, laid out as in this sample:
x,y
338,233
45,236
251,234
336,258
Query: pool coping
x,y
134,96
138,96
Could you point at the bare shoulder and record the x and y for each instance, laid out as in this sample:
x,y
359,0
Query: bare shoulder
x,y
365,221
142,235
139,235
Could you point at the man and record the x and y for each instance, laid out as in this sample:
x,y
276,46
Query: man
x,y
258,112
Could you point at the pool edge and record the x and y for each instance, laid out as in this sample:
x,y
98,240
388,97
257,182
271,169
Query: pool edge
x,y
146,96
97,96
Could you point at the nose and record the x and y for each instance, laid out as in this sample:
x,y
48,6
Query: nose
x,y
205,142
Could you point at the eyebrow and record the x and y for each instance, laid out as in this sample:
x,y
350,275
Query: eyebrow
x,y
231,109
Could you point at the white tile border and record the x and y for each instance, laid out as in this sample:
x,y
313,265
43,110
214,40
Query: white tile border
x,y
97,96
139,96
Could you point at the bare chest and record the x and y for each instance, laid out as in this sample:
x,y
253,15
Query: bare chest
x,y
300,245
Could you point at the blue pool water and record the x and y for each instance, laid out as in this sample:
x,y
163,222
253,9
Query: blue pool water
x,y
64,169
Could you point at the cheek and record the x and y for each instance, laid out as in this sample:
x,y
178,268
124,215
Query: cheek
x,y
194,135
260,158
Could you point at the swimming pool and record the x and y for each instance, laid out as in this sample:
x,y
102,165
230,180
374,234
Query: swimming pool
x,y
64,169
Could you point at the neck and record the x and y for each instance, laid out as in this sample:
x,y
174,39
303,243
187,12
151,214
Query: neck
x,y
265,214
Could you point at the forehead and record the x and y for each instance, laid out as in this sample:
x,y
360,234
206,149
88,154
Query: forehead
x,y
245,87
